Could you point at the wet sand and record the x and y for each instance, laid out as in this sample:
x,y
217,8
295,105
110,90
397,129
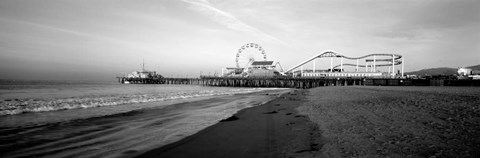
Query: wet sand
x,y
273,130
125,134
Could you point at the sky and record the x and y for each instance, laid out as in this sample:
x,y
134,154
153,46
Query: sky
x,y
98,40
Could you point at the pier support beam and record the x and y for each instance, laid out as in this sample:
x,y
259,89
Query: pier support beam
x,y
374,64
313,66
356,68
366,66
341,64
331,64
403,60
393,65
301,71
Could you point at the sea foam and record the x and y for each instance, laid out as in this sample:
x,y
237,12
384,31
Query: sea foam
x,y
64,102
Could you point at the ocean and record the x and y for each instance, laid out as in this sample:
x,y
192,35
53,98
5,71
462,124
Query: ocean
x,y
108,119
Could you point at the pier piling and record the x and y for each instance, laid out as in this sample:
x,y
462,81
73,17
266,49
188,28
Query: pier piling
x,y
301,83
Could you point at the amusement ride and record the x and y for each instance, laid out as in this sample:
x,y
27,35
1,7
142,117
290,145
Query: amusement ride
x,y
251,61
370,63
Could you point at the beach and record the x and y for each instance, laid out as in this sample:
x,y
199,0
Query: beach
x,y
99,120
397,121
345,122
272,130
336,121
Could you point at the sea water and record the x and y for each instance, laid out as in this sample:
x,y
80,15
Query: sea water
x,y
18,97
108,119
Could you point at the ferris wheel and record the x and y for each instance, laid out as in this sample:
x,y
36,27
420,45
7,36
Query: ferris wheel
x,y
248,53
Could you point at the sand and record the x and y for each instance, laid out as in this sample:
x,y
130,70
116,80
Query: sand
x,y
345,122
352,121
397,121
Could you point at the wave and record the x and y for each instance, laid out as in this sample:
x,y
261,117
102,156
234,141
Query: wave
x,y
18,106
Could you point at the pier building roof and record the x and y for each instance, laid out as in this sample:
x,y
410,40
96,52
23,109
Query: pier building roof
x,y
258,63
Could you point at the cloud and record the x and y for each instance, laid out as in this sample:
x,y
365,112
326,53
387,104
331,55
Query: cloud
x,y
227,19
136,45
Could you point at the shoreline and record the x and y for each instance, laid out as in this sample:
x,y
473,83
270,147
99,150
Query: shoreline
x,y
321,122
125,134
66,114
274,129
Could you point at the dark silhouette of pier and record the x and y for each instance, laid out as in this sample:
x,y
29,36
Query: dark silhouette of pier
x,y
303,83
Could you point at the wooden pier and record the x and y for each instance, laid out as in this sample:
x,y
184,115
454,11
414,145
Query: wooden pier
x,y
304,83
279,82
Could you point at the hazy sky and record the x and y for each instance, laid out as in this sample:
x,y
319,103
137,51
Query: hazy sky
x,y
95,40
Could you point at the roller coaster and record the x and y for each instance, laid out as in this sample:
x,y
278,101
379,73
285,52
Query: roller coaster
x,y
372,61
251,60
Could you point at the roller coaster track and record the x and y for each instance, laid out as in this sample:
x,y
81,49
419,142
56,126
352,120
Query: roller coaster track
x,y
378,65
331,54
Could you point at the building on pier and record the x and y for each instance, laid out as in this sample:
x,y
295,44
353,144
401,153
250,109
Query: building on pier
x,y
340,74
142,74
251,61
468,73
254,69
139,76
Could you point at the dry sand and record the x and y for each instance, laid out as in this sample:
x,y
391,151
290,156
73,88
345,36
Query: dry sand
x,y
396,121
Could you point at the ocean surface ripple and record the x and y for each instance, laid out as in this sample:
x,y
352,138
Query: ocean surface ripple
x,y
23,97
44,119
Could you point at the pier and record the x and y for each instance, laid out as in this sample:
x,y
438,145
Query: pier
x,y
254,70
277,82
302,83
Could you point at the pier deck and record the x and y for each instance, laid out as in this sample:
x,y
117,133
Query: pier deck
x,y
304,83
